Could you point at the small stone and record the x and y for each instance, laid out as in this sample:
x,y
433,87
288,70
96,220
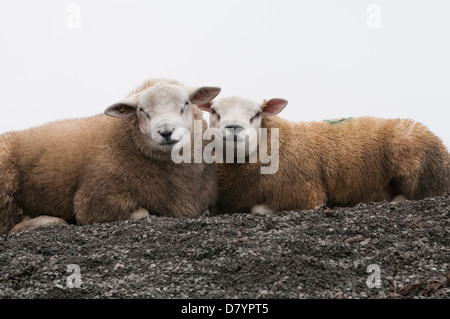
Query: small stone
x,y
262,293
119,265
365,242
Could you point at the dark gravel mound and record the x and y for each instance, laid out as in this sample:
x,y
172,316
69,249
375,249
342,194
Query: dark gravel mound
x,y
307,254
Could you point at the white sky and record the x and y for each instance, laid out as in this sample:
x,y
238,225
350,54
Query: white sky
x,y
318,54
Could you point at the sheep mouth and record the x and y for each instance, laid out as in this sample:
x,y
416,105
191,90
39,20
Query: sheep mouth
x,y
234,138
169,142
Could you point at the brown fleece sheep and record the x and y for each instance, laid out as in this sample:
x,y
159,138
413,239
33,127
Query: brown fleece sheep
x,y
102,169
337,163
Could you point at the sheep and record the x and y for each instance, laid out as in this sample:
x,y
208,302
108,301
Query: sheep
x,y
108,167
334,163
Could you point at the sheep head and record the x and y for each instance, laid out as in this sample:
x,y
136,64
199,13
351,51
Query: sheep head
x,y
239,119
161,109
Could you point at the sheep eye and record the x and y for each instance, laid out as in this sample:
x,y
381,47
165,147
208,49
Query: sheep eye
x,y
140,109
213,112
185,104
121,108
255,117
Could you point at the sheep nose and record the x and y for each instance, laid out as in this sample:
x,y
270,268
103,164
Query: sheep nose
x,y
166,134
236,128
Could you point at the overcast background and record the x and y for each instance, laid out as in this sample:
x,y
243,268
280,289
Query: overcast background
x,y
64,59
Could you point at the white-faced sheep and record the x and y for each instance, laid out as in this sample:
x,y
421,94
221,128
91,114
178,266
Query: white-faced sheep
x,y
337,163
102,169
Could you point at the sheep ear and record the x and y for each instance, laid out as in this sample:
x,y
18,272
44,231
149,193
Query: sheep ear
x,y
203,95
205,107
273,106
125,108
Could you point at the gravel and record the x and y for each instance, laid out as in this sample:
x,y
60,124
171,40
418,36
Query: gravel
x,y
321,253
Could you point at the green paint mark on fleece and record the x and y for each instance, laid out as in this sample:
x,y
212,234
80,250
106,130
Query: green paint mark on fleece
x,y
338,121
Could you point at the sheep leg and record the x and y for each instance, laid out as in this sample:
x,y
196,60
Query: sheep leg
x,y
28,223
139,214
102,206
262,210
399,199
